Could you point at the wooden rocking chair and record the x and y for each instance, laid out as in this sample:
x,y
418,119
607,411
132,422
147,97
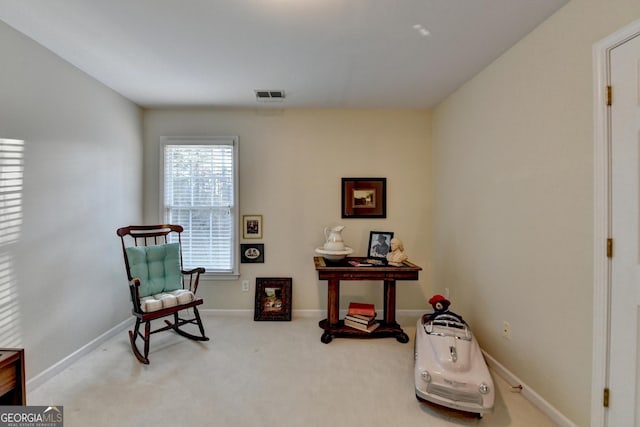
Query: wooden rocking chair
x,y
159,286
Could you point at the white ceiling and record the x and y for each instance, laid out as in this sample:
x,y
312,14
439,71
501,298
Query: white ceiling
x,y
322,53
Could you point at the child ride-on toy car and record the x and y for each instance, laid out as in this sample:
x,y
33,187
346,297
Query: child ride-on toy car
x,y
449,367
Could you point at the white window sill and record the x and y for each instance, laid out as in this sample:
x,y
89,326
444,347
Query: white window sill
x,y
214,277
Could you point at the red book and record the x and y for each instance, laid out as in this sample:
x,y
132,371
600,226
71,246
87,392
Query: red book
x,y
362,308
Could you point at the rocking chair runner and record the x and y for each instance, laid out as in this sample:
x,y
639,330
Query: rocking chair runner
x,y
159,286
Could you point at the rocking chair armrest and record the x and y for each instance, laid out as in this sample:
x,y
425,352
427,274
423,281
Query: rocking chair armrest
x,y
199,270
134,288
194,277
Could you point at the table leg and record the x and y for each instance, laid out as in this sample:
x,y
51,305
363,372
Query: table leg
x,y
390,302
333,302
390,311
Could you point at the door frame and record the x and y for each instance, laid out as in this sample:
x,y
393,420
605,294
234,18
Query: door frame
x,y
602,217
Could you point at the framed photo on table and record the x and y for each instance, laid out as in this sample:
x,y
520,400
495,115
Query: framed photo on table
x,y
379,244
252,226
273,298
364,197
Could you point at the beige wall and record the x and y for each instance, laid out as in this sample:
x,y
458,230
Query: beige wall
x,y
513,203
291,163
82,160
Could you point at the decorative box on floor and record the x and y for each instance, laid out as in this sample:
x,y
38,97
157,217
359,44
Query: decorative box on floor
x,y
273,298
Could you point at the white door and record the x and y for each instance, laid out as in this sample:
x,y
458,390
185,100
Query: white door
x,y
624,361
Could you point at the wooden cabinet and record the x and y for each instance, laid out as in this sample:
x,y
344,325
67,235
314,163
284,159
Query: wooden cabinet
x,y
12,380
335,272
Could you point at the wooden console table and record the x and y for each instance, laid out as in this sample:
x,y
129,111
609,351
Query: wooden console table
x,y
12,381
335,272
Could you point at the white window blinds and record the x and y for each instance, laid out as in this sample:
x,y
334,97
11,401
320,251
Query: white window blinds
x,y
200,194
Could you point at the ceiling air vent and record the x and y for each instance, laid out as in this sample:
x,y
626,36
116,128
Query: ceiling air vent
x,y
269,95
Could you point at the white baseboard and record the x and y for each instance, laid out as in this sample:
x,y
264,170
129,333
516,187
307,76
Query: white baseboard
x,y
214,311
320,314
528,393
55,369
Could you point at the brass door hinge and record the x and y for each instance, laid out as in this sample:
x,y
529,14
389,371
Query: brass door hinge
x,y
605,398
609,248
609,95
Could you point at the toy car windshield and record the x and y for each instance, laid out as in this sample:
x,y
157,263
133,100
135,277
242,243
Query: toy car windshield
x,y
446,325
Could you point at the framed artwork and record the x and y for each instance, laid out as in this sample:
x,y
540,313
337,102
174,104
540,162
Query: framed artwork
x,y
252,253
379,244
252,226
273,298
364,197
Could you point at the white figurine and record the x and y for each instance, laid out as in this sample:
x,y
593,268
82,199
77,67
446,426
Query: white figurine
x,y
397,256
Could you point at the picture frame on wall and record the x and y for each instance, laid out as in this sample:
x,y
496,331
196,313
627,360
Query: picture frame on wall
x,y
252,226
364,197
379,244
252,253
273,298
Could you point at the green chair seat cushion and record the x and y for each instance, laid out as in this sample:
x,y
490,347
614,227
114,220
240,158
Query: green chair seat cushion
x,y
157,267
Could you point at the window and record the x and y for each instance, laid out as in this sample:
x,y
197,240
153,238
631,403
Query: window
x,y
200,192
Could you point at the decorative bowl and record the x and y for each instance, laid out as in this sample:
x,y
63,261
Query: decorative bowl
x,y
334,255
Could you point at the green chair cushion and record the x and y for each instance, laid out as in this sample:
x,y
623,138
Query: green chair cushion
x,y
157,267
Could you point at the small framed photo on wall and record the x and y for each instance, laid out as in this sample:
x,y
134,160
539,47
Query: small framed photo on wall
x,y
364,197
252,253
252,226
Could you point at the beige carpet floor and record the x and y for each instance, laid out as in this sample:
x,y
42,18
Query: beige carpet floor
x,y
260,374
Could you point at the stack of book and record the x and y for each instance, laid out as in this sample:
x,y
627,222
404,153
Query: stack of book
x,y
361,316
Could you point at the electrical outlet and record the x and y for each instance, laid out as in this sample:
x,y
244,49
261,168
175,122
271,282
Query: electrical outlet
x,y
506,330
245,286
446,293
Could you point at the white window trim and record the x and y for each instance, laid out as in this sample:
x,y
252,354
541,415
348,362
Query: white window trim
x,y
193,140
